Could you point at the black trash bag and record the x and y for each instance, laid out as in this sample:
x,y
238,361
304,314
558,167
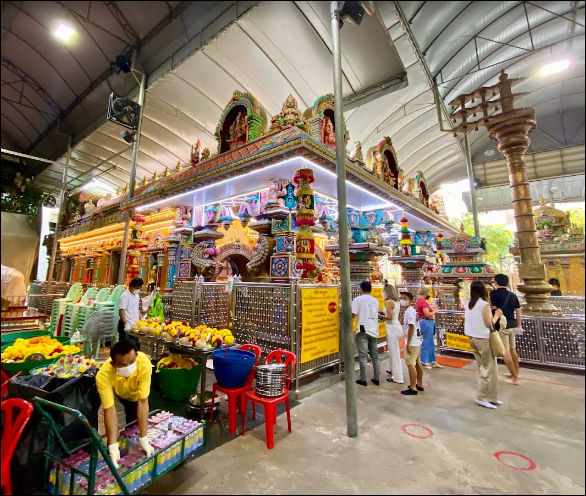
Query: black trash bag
x,y
79,393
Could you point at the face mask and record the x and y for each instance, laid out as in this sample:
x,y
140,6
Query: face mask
x,y
136,291
404,303
126,371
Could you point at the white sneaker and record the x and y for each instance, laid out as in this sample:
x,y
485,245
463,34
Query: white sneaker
x,y
485,404
497,403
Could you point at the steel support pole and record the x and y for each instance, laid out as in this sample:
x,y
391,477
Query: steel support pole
x,y
472,186
135,146
346,322
58,223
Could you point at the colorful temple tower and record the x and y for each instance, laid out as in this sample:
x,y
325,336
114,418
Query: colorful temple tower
x,y
561,246
465,262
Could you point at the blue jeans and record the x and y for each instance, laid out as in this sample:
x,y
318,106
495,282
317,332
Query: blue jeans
x,y
367,345
428,347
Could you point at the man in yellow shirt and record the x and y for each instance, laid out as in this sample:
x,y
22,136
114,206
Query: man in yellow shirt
x,y
127,373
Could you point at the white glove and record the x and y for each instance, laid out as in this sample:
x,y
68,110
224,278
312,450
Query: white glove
x,y
127,327
114,450
520,331
146,447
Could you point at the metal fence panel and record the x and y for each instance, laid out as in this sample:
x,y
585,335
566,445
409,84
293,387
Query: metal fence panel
x,y
528,343
550,340
213,305
262,316
569,305
183,301
563,341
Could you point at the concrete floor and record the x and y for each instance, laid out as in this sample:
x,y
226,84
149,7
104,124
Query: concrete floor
x,y
542,420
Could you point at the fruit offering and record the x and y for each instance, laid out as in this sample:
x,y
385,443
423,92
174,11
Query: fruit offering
x,y
43,347
69,366
174,361
150,326
201,337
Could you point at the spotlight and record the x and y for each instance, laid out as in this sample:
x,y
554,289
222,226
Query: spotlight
x,y
127,136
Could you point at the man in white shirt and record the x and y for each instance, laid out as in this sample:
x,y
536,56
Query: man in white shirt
x,y
414,340
365,311
129,309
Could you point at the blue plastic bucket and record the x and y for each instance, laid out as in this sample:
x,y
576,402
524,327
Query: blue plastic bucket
x,y
231,367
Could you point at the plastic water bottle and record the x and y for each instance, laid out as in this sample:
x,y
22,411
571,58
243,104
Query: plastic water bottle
x,y
52,479
65,478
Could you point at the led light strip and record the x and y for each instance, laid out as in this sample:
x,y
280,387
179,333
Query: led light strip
x,y
319,167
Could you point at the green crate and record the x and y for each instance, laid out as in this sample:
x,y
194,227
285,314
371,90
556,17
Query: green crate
x,y
179,384
26,366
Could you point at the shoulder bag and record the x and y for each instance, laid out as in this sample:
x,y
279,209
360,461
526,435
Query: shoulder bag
x,y
496,343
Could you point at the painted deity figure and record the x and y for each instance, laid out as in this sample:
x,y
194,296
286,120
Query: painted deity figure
x,y
238,131
387,175
277,192
357,153
328,136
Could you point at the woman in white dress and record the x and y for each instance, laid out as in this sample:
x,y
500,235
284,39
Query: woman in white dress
x,y
390,315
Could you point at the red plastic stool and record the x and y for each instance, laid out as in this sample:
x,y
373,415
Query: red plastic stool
x,y
238,393
270,404
13,426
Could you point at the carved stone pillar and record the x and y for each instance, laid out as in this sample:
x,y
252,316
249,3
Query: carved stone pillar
x,y
511,130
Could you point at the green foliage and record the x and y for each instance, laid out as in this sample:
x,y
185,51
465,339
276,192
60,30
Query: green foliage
x,y
498,239
576,216
19,196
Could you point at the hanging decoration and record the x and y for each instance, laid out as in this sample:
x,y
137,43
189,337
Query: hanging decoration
x,y
134,248
304,219
440,244
405,237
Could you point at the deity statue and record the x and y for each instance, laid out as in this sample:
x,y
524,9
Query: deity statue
x,y
88,207
387,174
328,136
238,131
205,154
357,153
277,193
195,153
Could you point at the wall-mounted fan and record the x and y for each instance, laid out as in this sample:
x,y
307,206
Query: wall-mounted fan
x,y
49,202
123,111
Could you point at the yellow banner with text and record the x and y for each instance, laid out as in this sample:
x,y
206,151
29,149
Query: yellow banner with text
x,y
458,342
320,323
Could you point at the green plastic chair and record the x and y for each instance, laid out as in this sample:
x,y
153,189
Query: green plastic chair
x,y
112,306
71,310
58,308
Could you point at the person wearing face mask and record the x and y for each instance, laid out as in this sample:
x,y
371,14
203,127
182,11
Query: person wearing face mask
x,y
129,310
126,374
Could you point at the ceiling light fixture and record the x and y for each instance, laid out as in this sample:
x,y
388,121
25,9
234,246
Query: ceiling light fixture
x,y
64,32
489,153
96,184
554,67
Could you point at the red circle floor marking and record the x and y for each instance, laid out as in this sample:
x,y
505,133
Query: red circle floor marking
x,y
532,464
429,432
426,384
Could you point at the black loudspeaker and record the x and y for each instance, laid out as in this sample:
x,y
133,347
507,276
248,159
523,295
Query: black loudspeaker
x,y
123,64
123,111
352,11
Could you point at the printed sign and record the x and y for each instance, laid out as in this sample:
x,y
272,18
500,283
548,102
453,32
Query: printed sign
x,y
377,292
320,323
458,342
